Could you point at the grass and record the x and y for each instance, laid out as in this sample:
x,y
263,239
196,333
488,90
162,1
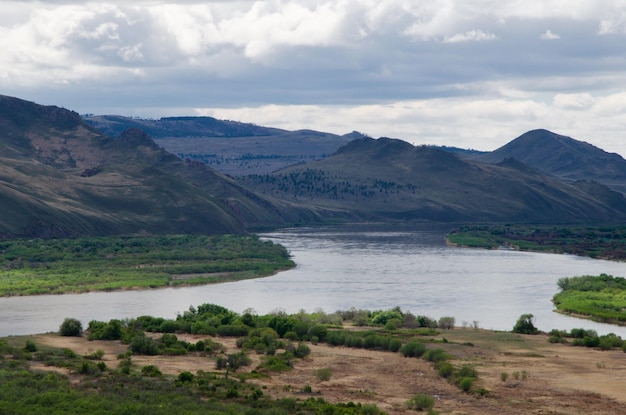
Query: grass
x,y
601,298
56,266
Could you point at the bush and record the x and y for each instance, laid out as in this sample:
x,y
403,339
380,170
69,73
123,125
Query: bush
x,y
446,323
320,331
71,327
151,371
413,349
301,351
436,355
30,346
323,374
466,384
421,402
394,345
445,369
185,377
525,325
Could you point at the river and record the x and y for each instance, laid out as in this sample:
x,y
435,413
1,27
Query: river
x,y
369,267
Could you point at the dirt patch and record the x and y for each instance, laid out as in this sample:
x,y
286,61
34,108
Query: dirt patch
x,y
541,378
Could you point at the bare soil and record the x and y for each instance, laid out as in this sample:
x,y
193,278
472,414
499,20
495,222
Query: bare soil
x,y
541,378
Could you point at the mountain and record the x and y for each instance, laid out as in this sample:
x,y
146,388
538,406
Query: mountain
x,y
233,148
564,157
59,176
392,179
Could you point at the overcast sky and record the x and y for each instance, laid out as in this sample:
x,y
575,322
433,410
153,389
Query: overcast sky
x,y
467,73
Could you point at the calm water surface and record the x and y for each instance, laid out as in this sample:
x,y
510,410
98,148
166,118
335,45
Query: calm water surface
x,y
365,267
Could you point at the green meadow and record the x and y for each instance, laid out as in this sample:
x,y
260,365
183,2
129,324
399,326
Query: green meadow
x,y
57,266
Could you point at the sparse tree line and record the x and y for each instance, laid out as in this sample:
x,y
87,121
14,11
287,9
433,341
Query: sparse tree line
x,y
575,337
318,183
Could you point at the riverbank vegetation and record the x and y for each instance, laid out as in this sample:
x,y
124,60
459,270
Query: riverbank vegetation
x,y
601,298
212,360
57,266
607,242
280,340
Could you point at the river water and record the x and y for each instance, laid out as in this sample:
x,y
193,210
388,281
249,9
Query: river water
x,y
369,267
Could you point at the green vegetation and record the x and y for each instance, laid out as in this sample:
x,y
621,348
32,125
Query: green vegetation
x,y
71,327
56,266
593,241
587,338
282,338
525,325
601,298
421,402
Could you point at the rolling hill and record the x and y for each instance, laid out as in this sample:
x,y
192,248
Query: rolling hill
x,y
59,176
391,179
233,148
563,157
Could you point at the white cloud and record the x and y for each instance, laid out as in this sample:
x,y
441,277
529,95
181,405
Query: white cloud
x,y
435,71
548,35
469,36
482,124
573,101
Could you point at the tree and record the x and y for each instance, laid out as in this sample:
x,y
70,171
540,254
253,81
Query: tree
x,y
71,327
525,325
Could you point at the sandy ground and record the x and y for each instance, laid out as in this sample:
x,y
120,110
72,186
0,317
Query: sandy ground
x,y
551,378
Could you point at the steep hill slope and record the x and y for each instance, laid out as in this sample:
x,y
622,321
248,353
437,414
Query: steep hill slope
x,y
563,157
61,177
387,178
230,147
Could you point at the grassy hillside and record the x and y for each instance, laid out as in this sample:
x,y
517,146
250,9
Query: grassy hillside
x,y
61,177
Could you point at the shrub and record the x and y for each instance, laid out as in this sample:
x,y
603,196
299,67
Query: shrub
x,y
446,323
30,346
413,349
301,351
142,344
233,361
468,371
394,345
380,318
436,355
525,325
504,376
71,327
323,374
291,335
445,369
466,384
185,377
320,331
151,371
421,402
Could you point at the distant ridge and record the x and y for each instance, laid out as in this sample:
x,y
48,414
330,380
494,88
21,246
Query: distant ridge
x,y
563,157
231,147
389,179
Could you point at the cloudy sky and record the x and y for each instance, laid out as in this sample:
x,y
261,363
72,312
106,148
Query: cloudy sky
x,y
468,73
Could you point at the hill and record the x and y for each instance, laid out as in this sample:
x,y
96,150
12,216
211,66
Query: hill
x,y
59,176
391,179
564,157
233,148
